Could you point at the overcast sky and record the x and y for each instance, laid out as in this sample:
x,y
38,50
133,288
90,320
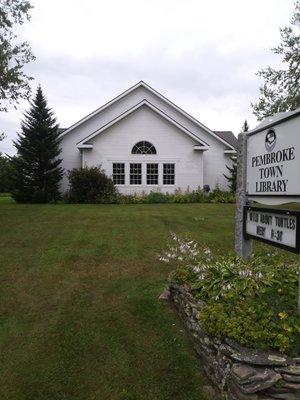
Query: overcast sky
x,y
201,54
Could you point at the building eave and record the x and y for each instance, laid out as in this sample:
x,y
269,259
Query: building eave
x,y
130,111
150,89
200,148
230,151
85,146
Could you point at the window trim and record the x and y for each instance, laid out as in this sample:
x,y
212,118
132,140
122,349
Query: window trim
x,y
140,174
142,143
119,174
168,175
151,174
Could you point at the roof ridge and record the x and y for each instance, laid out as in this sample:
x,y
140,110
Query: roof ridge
x,y
136,107
163,98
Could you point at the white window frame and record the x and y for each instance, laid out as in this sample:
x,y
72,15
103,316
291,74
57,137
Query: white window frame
x,y
146,167
142,174
168,184
124,164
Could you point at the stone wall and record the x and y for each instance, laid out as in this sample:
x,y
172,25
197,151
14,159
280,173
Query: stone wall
x,y
239,373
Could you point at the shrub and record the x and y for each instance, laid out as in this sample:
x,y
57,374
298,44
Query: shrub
x,y
87,187
195,196
156,197
91,185
6,182
253,302
219,196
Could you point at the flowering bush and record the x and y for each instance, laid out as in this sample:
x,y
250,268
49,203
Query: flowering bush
x,y
253,302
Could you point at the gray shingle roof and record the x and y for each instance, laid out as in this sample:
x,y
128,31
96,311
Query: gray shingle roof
x,y
228,136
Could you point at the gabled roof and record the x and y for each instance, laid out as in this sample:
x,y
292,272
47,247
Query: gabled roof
x,y
143,84
84,142
228,136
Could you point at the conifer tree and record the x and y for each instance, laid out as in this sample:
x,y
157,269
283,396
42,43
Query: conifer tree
x,y
245,126
233,168
37,170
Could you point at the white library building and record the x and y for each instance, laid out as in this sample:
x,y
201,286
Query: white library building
x,y
144,142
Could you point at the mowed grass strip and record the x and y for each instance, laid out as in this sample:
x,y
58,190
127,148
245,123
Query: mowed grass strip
x,y
79,315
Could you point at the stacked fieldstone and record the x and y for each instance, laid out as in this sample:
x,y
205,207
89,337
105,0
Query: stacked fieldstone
x,y
239,373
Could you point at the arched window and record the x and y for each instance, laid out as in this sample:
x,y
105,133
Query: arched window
x,y
143,148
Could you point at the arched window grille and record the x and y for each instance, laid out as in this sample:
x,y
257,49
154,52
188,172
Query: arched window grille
x,y
143,147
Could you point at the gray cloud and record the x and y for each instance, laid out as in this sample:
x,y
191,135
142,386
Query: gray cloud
x,y
211,76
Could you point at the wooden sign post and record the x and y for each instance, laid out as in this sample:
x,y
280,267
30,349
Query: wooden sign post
x,y
268,162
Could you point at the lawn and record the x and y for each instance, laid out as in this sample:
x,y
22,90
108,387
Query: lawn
x,y
79,315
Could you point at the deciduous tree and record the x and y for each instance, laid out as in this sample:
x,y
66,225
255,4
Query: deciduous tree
x,y
14,82
280,91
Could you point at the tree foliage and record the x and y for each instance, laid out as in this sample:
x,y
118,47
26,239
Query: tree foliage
x,y
245,126
280,91
6,167
14,83
232,177
37,170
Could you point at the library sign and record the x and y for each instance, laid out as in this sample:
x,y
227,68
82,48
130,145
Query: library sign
x,y
272,165
279,228
273,161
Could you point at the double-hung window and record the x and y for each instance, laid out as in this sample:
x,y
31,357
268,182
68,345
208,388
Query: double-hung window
x,y
169,174
152,174
119,173
135,174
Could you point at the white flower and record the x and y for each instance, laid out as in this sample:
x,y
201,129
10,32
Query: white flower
x,y
245,273
182,248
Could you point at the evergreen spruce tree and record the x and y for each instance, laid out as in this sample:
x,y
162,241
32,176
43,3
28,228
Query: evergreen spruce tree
x,y
233,168
232,175
245,127
37,170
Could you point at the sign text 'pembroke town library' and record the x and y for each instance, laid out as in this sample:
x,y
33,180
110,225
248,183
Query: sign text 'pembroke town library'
x,y
273,162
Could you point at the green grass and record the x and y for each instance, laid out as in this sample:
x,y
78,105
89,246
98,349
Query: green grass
x,y
79,315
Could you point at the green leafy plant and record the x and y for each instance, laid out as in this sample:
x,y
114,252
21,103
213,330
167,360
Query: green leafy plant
x,y
253,302
87,189
91,185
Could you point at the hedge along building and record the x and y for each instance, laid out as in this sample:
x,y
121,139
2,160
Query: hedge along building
x,y
145,142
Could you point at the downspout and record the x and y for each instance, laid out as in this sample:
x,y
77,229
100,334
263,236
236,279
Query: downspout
x,y
82,158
